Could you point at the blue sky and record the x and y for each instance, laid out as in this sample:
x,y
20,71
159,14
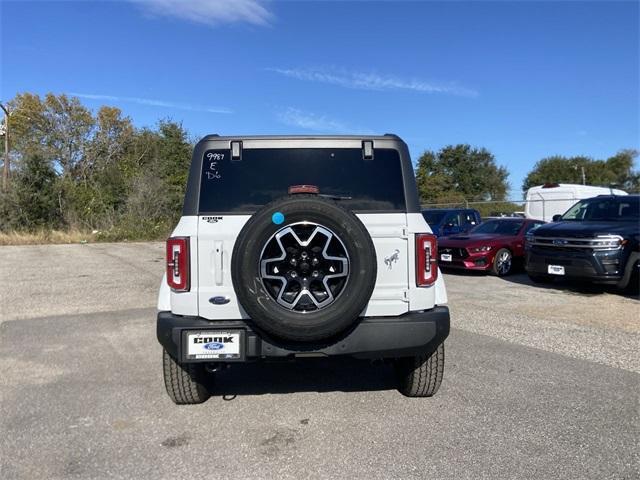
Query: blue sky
x,y
524,79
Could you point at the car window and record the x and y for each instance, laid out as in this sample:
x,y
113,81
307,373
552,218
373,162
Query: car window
x,y
452,219
531,226
625,209
468,218
629,211
500,227
433,217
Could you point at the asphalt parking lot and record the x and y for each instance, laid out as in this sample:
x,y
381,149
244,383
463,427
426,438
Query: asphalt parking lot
x,y
540,382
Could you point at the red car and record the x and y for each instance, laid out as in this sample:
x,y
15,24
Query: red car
x,y
491,246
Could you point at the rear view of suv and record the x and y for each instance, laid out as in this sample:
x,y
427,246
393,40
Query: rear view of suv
x,y
597,240
295,247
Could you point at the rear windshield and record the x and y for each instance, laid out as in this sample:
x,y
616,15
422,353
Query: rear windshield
x,y
622,209
264,175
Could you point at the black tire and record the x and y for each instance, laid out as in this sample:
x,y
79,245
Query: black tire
x,y
502,269
185,382
421,376
633,285
539,278
310,326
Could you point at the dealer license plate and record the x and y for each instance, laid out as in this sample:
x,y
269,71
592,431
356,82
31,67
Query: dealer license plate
x,y
214,345
555,269
445,257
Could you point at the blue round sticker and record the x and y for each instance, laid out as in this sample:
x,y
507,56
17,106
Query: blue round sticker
x,y
277,218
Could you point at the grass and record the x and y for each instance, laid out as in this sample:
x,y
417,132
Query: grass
x,y
41,237
116,234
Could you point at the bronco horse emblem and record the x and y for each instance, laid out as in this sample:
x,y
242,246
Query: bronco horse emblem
x,y
391,259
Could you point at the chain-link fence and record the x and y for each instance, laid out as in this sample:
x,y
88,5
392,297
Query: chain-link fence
x,y
540,208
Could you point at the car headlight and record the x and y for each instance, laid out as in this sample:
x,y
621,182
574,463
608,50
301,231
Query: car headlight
x,y
480,249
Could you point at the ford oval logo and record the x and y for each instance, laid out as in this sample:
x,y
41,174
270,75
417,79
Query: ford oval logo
x,y
559,241
214,346
219,300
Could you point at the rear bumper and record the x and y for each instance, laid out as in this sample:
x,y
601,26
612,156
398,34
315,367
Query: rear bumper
x,y
376,337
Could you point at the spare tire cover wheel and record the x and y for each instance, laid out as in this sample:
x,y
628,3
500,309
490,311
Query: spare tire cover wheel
x,y
304,268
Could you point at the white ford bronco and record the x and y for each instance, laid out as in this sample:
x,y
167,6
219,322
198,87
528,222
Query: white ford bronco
x,y
294,247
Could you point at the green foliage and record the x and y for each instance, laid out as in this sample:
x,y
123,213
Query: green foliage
x,y
175,152
32,202
58,128
617,171
75,170
460,172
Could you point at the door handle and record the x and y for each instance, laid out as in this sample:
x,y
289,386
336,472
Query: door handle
x,y
218,263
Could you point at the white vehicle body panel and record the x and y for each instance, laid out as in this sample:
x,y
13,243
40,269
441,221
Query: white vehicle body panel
x,y
542,203
164,296
213,239
215,244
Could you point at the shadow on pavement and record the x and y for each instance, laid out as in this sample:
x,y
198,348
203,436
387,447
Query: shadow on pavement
x,y
571,287
304,375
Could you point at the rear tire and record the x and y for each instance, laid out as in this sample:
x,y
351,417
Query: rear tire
x,y
633,285
421,376
185,382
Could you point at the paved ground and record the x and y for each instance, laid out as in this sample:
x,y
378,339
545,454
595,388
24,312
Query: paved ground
x,y
539,383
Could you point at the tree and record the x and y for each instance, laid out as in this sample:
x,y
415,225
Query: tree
x,y
112,136
616,170
58,128
80,170
174,158
32,201
460,172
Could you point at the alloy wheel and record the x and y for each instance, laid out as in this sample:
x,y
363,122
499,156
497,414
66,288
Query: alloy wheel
x,y
304,267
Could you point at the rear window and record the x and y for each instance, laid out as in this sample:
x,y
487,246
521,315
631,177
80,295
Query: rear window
x,y
264,175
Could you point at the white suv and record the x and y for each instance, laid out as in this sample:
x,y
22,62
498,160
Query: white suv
x,y
298,247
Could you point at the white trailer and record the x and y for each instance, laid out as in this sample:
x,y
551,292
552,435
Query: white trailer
x,y
545,201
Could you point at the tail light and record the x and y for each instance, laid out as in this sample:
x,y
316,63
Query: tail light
x,y
178,263
426,259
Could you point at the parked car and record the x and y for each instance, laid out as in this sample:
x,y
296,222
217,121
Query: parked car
x,y
283,253
492,246
596,240
545,201
449,221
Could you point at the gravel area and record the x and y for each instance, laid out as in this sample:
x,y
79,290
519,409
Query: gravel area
x,y
586,322
50,280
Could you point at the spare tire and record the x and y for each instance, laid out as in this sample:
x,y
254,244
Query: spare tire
x,y
304,268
